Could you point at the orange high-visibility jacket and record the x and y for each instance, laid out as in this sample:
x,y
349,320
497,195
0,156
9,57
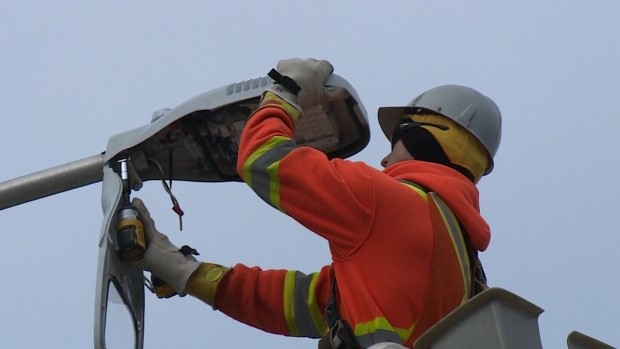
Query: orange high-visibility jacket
x,y
396,274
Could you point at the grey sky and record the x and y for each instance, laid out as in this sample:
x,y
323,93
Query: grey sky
x,y
75,73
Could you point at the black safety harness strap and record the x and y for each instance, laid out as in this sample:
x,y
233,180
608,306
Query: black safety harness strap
x,y
340,334
478,277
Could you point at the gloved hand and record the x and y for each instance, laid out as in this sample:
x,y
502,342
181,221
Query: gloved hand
x,y
161,257
310,75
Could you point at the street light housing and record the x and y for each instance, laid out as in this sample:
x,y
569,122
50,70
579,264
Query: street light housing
x,y
199,139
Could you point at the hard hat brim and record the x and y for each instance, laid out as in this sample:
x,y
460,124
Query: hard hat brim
x,y
389,117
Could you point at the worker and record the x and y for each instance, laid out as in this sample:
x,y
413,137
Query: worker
x,y
403,240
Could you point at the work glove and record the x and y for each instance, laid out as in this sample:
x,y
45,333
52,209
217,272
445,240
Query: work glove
x,y
161,257
301,83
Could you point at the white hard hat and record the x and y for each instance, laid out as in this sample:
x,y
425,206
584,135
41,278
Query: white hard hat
x,y
469,108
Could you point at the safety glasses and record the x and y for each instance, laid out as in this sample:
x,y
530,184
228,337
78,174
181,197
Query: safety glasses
x,y
400,129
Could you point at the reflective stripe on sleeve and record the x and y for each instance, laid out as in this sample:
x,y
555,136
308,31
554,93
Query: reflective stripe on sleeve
x,y
260,171
301,311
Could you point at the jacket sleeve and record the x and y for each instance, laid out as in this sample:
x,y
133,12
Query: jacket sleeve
x,y
333,198
286,302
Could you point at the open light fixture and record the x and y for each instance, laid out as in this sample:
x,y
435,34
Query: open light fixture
x,y
199,139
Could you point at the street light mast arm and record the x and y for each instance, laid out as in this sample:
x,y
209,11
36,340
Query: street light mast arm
x,y
52,181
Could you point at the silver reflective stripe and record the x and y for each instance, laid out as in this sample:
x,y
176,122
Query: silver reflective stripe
x,y
303,304
366,340
261,179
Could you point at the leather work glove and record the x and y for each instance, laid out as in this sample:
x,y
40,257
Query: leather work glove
x,y
307,88
161,257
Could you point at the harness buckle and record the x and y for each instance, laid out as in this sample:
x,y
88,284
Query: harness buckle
x,y
341,336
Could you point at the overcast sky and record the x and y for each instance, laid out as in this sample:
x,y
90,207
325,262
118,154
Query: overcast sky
x,y
73,74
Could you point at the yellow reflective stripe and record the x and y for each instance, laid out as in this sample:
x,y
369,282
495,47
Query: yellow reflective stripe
x,y
302,314
418,190
456,236
316,314
260,151
271,99
381,327
274,185
289,305
260,170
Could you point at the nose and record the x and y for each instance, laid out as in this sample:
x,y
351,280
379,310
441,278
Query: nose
x,y
384,162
